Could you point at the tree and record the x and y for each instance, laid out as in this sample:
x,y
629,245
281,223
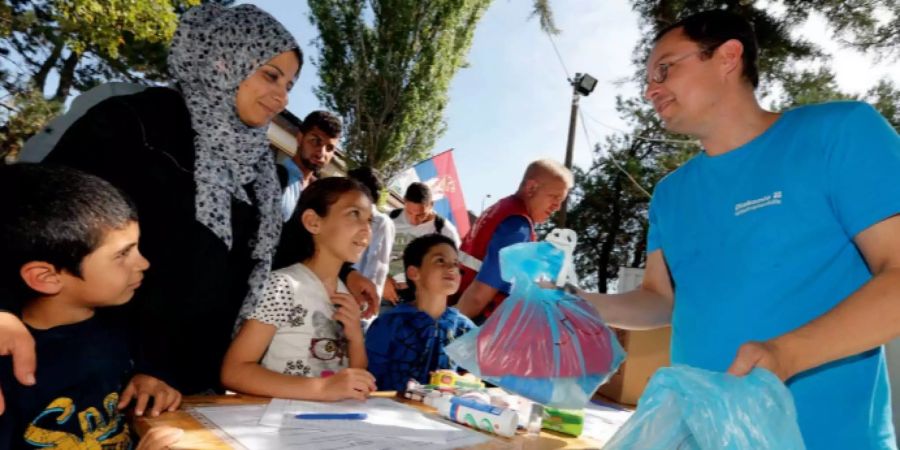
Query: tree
x,y
611,198
81,42
385,66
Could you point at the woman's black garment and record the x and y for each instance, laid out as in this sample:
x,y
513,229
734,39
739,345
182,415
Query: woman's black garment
x,y
183,314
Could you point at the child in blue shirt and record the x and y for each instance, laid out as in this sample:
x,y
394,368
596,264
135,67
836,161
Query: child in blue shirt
x,y
408,341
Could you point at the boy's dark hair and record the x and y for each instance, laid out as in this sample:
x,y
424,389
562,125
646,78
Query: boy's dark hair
x,y
53,214
414,254
418,192
329,123
319,196
370,178
710,29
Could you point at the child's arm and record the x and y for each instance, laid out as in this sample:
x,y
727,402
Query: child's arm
x,y
242,372
349,315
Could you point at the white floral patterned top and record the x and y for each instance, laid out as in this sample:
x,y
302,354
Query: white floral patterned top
x,y
308,342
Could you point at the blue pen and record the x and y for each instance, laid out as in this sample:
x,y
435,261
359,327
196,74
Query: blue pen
x,y
347,416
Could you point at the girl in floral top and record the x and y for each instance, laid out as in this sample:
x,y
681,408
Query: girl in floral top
x,y
304,339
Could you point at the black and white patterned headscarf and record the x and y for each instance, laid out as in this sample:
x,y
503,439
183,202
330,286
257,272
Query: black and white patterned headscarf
x,y
214,49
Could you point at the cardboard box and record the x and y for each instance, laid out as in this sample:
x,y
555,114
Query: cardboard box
x,y
646,351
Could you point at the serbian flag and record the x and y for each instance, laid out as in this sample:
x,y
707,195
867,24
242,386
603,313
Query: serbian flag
x,y
439,173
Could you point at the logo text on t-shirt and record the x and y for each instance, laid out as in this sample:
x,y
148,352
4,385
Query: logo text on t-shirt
x,y
762,202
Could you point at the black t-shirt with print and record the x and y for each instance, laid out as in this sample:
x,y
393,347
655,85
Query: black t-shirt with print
x,y
81,371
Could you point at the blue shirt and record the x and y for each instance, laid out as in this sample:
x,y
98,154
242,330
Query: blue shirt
x,y
759,241
292,190
376,260
513,230
406,343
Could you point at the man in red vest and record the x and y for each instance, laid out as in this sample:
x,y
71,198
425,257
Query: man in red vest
x,y
509,221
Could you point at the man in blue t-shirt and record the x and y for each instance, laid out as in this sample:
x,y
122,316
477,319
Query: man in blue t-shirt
x,y
778,246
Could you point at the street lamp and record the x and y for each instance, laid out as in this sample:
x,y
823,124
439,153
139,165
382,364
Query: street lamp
x,y
582,85
486,196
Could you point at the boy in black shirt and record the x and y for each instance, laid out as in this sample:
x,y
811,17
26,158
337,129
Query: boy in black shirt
x,y
71,243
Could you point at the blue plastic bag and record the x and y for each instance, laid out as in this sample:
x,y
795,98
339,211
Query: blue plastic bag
x,y
694,409
542,344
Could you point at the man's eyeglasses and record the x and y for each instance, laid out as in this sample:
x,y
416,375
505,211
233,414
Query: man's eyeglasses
x,y
660,72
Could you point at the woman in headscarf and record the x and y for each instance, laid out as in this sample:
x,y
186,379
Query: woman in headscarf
x,y
196,161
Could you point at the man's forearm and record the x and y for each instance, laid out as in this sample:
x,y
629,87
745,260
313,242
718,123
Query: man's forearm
x,y
640,309
470,306
866,319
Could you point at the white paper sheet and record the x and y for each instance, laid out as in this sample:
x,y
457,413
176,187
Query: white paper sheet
x,y
239,427
601,422
385,417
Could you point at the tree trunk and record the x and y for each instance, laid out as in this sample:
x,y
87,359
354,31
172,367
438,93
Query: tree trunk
x,y
609,244
640,250
40,78
66,77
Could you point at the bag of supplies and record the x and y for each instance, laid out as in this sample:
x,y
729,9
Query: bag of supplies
x,y
694,409
543,344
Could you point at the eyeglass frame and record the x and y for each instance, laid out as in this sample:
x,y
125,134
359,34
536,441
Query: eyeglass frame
x,y
664,67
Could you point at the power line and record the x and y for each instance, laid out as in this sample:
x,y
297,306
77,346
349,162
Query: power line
x,y
613,159
640,137
559,56
587,137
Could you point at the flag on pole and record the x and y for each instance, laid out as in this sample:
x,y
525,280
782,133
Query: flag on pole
x,y
439,173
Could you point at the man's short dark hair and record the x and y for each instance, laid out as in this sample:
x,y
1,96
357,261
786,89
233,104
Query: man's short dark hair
x,y
56,215
370,178
418,192
329,123
710,29
414,254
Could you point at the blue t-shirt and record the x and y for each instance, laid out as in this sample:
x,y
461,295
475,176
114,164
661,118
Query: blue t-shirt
x,y
759,241
292,189
405,343
513,230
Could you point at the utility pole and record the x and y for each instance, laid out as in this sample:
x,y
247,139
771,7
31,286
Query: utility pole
x,y
582,85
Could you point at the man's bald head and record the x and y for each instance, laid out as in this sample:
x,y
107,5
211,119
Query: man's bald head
x,y
544,188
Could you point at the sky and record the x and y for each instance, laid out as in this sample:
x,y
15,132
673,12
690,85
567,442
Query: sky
x,y
511,104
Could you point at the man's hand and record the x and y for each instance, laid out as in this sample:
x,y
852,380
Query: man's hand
x,y
390,291
365,293
160,438
767,355
15,340
165,398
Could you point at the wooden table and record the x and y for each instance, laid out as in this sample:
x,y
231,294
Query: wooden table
x,y
198,437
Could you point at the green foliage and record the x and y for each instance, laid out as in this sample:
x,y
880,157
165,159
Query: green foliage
x,y
385,67
544,14
22,116
885,97
83,42
104,25
610,202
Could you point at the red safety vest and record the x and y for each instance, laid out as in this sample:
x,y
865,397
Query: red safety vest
x,y
475,245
